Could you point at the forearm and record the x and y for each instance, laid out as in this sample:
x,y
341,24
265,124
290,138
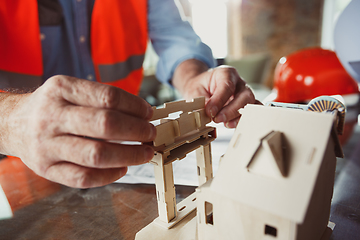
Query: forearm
x,y
185,72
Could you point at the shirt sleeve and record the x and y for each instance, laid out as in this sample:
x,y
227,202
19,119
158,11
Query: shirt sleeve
x,y
173,39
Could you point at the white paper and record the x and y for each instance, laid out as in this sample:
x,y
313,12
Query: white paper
x,y
5,209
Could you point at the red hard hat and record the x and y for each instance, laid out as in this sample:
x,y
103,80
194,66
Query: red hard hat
x,y
310,73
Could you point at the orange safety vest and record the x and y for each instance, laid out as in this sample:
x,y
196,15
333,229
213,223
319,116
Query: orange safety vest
x,y
118,42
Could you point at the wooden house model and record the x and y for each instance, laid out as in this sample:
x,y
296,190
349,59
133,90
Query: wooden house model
x,y
275,180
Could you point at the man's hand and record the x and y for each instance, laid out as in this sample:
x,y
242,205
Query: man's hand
x,y
224,90
62,131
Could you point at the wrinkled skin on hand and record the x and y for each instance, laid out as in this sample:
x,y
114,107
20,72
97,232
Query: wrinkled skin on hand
x,y
62,131
223,88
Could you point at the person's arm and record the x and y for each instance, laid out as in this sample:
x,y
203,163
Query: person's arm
x,y
223,88
185,62
62,131
173,39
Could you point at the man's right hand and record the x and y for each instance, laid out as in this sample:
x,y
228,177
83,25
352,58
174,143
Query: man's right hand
x,y
62,131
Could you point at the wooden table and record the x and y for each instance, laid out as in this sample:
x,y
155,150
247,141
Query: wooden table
x,y
46,210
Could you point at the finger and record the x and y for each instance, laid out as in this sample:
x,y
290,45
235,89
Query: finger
x,y
76,176
104,124
225,83
233,123
197,90
231,111
98,154
93,94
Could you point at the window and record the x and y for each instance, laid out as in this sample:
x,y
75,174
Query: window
x,y
331,10
269,230
211,25
209,213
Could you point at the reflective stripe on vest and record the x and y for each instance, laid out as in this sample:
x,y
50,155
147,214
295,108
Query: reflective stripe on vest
x,y
125,30
26,82
118,41
113,72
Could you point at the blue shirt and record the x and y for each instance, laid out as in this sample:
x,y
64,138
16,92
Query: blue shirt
x,y
66,47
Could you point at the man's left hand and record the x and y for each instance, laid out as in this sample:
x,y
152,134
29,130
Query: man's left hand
x,y
225,91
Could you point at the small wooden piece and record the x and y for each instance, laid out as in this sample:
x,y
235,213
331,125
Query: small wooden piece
x,y
184,208
171,107
192,119
204,163
175,139
165,189
184,230
270,157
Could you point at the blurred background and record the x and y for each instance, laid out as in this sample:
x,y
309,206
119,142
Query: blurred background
x,y
251,35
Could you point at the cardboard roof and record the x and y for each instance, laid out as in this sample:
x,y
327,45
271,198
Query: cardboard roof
x,y
307,135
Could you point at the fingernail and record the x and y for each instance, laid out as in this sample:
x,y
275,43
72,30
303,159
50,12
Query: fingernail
x,y
152,133
148,154
149,112
213,111
220,118
231,124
